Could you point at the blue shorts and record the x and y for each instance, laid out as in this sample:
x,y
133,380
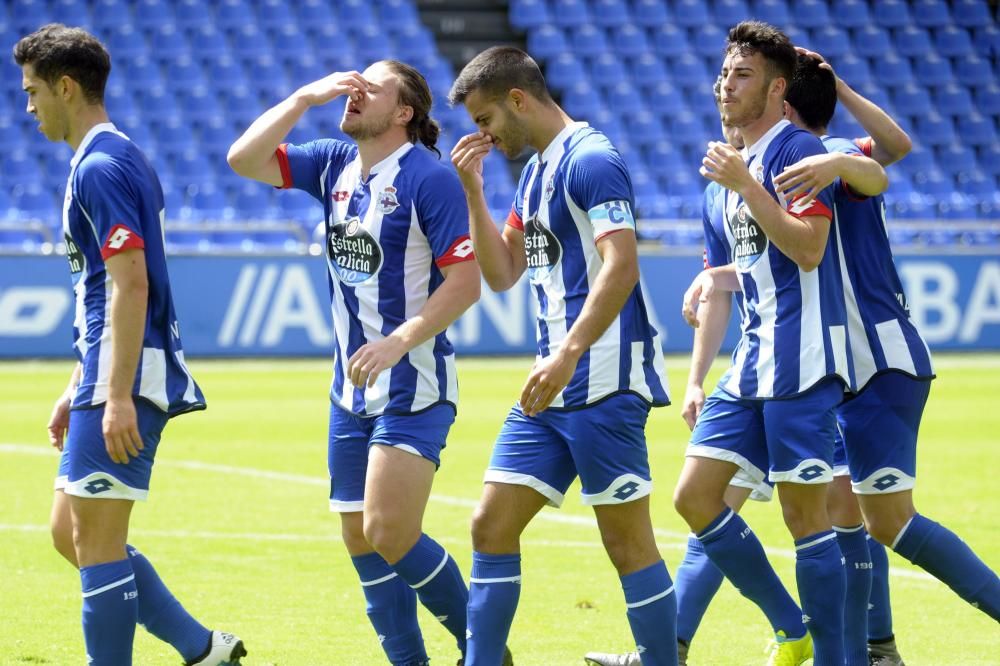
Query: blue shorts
x,y
422,434
604,443
86,469
878,428
779,440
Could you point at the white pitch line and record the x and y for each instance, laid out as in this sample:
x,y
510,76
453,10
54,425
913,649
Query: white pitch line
x,y
672,540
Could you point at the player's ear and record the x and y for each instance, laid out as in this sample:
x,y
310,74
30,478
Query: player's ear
x,y
404,114
518,99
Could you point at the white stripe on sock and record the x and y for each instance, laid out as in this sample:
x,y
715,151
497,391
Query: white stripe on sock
x,y
651,599
510,579
810,544
369,583
720,525
848,530
436,571
899,536
109,586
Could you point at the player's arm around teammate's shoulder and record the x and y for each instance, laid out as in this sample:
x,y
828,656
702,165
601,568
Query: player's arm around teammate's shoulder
x,y
807,177
253,154
500,253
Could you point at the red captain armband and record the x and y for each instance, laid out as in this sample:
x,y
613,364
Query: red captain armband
x,y
119,239
865,145
281,153
461,250
514,220
814,207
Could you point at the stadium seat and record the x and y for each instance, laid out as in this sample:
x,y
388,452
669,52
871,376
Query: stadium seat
x,y
563,71
956,160
184,73
870,42
911,100
688,130
664,99
852,13
191,14
526,14
167,43
606,70
952,42
11,137
231,15
35,203
651,13
810,13
569,13
972,13
274,14
69,12
669,41
546,42
629,41
371,44
932,70
158,103
356,12
648,70
248,42
935,130
891,70
976,130
912,41
612,14
891,13
953,100
582,99
690,13
689,72
988,99
726,13
589,41
126,42
853,70
986,39
974,71
644,128
208,44
709,41
931,13
664,159
227,73
831,42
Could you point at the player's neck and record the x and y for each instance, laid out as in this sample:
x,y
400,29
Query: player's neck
x,y
83,121
752,132
376,149
551,121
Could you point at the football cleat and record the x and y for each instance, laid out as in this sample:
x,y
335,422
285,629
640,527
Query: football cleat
x,y
785,652
682,653
508,658
606,659
223,650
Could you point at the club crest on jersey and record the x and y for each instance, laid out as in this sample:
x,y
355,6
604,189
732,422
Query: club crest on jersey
x,y
750,241
355,255
542,248
550,188
387,201
758,173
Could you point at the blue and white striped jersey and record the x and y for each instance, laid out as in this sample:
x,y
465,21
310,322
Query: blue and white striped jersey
x,y
576,191
717,248
114,203
387,238
882,335
794,328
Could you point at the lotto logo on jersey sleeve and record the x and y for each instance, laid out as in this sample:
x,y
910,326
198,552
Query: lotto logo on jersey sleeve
x,y
119,239
802,208
461,250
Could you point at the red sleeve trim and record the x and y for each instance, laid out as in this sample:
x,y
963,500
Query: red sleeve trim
x,y
608,233
865,144
119,239
461,250
815,207
286,171
514,220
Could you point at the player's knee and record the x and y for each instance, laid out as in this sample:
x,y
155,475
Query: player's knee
x,y
390,538
488,533
629,552
62,540
884,529
690,503
353,535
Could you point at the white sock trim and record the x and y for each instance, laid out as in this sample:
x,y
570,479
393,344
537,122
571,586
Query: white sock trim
x,y
899,536
814,542
109,586
436,571
719,526
509,579
369,583
848,530
655,597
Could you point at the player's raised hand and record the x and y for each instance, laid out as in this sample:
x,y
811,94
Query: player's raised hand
x,y
701,289
724,165
548,376
694,400
59,421
823,64
121,430
807,177
333,86
468,155
371,359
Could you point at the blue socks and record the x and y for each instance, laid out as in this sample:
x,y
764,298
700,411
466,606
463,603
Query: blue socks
x,y
392,610
879,609
819,573
940,552
494,588
652,613
435,576
162,615
110,609
697,581
735,550
853,542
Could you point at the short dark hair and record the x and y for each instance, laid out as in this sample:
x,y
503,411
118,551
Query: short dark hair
x,y
55,50
813,93
416,94
495,72
750,37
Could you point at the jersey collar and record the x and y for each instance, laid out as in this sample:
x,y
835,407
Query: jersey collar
x,y
560,139
395,156
94,131
762,143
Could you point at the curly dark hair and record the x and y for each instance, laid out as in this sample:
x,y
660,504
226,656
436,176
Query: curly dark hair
x,y
55,50
750,37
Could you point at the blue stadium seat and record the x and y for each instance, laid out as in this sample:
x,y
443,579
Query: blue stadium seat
x,y
728,13
173,136
956,159
564,71
931,13
208,45
184,73
231,15
648,70
11,136
972,13
870,42
670,41
69,12
371,43
663,158
709,41
356,12
167,43
853,70
248,42
569,13
606,70
610,13
227,73
774,12
126,43
932,70
141,72
107,15
629,41
688,130
987,40
852,13
651,13
274,14
119,101
690,13
911,100
35,202
268,77
952,42
989,159
912,41
582,99
952,206
810,13
546,42
953,100
152,15
208,202
974,71
158,103
644,128
252,201
831,42
935,130
988,99
589,41
664,99
891,70
689,71
525,14
192,14
976,130
892,13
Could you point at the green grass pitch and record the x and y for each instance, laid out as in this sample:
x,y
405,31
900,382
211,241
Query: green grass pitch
x,y
238,526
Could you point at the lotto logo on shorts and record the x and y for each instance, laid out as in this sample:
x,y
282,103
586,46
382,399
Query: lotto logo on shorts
x,y
98,486
626,490
811,472
885,482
